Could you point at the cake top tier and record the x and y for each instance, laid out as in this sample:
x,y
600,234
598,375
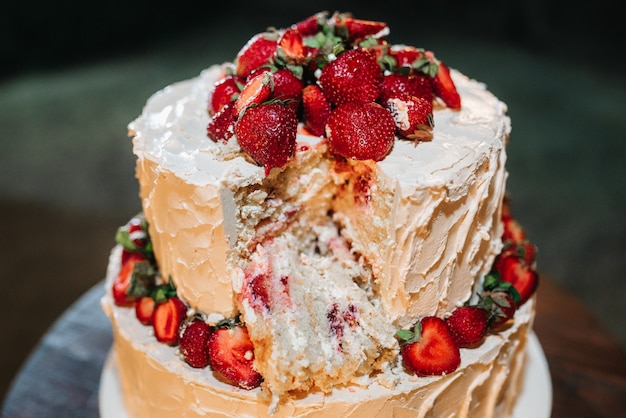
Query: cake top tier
x,y
327,78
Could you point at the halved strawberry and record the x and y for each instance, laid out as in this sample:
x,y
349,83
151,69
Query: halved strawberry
x,y
231,355
122,283
354,76
316,109
361,131
194,343
292,48
267,133
256,52
513,270
224,91
413,116
444,87
468,325
429,349
258,89
144,309
356,29
405,56
221,127
167,318
311,25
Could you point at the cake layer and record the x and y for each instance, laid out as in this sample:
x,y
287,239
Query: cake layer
x,y
425,219
156,382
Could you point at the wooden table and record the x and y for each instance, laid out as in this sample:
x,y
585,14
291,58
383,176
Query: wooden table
x,y
61,377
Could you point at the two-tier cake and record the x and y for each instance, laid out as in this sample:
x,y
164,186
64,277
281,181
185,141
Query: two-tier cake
x,y
324,233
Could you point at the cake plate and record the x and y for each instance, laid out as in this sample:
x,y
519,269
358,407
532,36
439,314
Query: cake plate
x,y
535,399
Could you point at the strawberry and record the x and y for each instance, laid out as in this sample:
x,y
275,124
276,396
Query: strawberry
x,y
267,133
144,308
258,89
287,86
525,250
355,30
361,131
167,318
231,354
123,281
258,51
413,116
224,91
468,325
292,48
194,343
499,298
396,85
444,87
502,308
311,25
513,270
221,127
354,76
405,56
429,349
133,238
513,231
316,109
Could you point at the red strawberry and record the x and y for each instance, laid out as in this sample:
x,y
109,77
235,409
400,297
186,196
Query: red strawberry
x,y
137,232
357,29
502,308
122,282
287,87
354,76
468,325
267,133
144,310
223,92
167,318
444,87
525,250
194,343
311,25
513,270
258,51
316,109
361,131
405,56
292,47
396,85
513,231
258,89
413,116
221,127
232,355
429,349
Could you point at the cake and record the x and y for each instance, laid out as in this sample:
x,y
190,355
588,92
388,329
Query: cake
x,y
325,232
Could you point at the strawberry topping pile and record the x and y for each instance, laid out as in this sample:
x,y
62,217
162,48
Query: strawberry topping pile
x,y
336,76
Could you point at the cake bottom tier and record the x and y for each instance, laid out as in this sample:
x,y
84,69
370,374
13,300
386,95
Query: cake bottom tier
x,y
156,382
